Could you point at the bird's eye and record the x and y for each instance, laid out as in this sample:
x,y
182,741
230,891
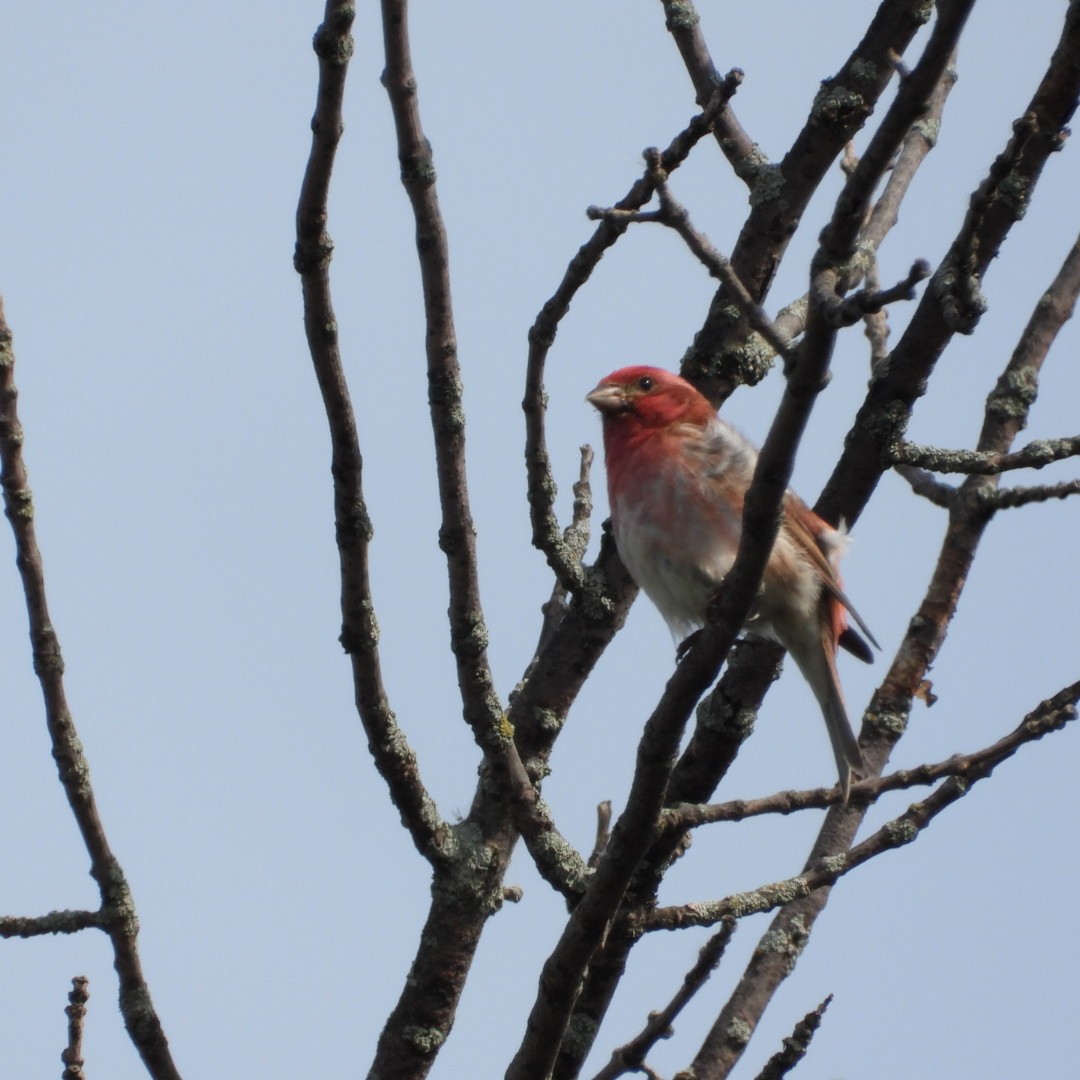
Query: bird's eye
x,y
645,383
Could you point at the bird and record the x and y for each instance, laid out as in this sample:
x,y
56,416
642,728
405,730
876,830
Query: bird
x,y
677,479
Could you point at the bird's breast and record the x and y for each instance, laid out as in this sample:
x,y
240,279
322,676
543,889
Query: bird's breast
x,y
677,532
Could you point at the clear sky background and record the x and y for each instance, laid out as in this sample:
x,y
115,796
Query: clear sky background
x,y
180,465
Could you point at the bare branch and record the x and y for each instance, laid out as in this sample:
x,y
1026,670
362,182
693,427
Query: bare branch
x,y
1009,498
994,209
795,1045
912,101
631,1056
846,311
965,767
117,916
56,922
924,484
831,276
393,756
919,141
716,363
886,717
576,534
1050,715
603,831
457,535
781,191
1035,455
683,22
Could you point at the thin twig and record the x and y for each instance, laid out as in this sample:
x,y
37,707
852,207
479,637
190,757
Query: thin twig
x,y
846,311
926,485
716,362
555,858
921,139
682,21
886,717
630,1057
795,1045
1010,498
71,1056
603,832
940,313
912,101
673,214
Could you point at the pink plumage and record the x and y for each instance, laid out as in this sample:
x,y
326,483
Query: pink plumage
x,y
677,479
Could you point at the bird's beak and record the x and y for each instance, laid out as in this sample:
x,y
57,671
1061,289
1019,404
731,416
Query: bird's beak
x,y
608,398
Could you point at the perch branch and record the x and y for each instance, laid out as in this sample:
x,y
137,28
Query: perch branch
x,y
1050,715
965,767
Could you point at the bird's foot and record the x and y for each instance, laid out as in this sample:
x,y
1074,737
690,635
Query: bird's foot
x,y
686,645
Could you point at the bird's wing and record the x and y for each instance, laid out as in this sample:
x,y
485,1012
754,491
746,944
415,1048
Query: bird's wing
x,y
799,516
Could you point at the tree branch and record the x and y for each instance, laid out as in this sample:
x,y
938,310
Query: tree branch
x,y
924,484
76,1014
394,758
683,22
965,767
117,916
468,633
674,215
781,192
887,714
1050,715
1010,498
727,716
631,1056
795,1045
1035,455
56,922
994,209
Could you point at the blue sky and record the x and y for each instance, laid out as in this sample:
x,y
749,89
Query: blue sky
x,y
179,460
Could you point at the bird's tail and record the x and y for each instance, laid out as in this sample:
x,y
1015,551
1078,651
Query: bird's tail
x,y
818,666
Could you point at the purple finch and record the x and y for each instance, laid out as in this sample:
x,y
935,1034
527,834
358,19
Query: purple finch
x,y
677,478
